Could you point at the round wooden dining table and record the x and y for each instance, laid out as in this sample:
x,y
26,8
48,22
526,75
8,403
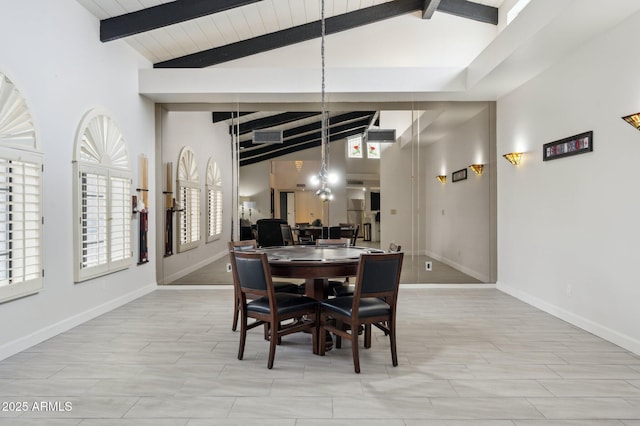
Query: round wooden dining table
x,y
315,264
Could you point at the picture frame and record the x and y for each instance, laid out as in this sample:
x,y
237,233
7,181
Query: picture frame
x,y
573,145
459,175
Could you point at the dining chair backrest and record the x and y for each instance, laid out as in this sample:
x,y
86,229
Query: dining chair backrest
x,y
354,236
378,275
253,273
269,232
335,232
333,242
242,245
287,234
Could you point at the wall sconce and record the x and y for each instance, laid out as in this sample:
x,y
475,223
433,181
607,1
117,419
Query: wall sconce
x,y
633,119
513,157
477,168
442,178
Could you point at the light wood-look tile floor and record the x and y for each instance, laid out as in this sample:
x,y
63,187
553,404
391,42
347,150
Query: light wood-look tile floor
x,y
467,357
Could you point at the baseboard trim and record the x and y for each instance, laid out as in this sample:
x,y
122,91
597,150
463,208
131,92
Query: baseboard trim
x,y
586,324
23,343
472,273
194,267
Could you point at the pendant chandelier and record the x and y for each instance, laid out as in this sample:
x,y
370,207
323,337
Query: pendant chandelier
x,y
323,178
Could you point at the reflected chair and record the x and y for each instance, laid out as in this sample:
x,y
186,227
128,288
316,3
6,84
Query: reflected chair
x,y
279,286
252,273
269,232
335,232
354,237
334,242
287,234
373,303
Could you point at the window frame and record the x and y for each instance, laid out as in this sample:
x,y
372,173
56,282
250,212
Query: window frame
x,y
188,216
19,143
214,199
19,289
110,172
350,151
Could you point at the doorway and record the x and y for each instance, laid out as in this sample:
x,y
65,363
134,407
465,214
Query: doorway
x,y
288,207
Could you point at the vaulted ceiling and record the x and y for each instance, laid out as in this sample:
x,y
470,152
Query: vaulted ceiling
x,y
206,33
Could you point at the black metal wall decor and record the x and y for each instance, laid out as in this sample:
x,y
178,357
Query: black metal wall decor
x,y
143,252
143,209
573,145
169,203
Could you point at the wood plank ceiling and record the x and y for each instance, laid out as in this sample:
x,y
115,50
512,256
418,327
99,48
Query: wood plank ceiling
x,y
204,33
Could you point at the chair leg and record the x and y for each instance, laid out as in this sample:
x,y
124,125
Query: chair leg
x,y
392,341
243,336
273,341
236,311
322,336
339,326
279,337
367,336
354,349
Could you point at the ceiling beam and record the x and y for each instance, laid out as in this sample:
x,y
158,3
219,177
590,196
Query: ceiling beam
x,y
335,121
296,148
222,116
470,10
293,35
163,15
306,141
270,121
429,8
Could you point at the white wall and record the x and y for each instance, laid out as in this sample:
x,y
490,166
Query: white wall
x,y
568,229
458,214
52,53
207,140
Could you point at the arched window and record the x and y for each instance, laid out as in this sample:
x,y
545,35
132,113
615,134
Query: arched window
x,y
214,201
102,188
189,201
20,197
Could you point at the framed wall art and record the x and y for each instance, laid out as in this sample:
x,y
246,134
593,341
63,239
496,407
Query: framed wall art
x,y
573,145
459,175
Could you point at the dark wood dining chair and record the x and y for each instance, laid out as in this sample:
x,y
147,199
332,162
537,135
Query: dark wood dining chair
x,y
348,289
334,242
279,286
252,272
373,303
354,237
287,234
335,232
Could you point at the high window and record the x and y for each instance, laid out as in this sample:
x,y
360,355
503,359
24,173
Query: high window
x,y
20,197
214,201
354,147
373,150
102,188
189,200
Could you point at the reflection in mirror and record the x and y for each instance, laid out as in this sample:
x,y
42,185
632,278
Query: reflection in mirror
x,y
451,226
391,199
